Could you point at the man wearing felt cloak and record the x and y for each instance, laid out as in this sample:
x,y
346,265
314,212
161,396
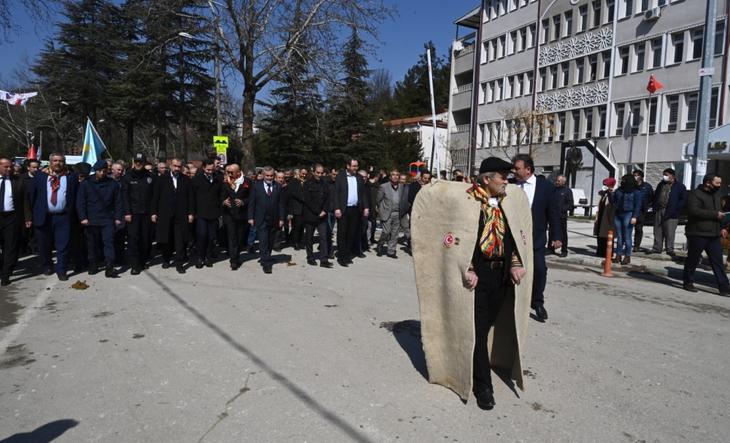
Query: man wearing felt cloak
x,y
472,249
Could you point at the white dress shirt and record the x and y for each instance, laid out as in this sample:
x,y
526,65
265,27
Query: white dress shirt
x,y
529,188
351,190
8,197
174,180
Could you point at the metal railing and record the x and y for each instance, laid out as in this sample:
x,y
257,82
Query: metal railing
x,y
461,128
466,87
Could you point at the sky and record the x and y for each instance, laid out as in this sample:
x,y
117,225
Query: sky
x,y
401,38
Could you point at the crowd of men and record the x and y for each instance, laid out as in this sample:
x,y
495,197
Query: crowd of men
x,y
109,214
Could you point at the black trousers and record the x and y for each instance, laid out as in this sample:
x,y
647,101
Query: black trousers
x,y
9,236
138,239
177,243
206,231
266,233
296,235
539,279
713,247
100,244
489,296
237,235
348,227
321,228
120,239
639,230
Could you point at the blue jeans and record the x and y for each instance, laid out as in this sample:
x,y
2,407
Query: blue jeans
x,y
624,231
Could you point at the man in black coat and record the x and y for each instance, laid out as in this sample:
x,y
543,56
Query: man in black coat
x,y
704,220
13,214
564,200
350,206
235,194
314,216
28,242
545,214
100,209
207,188
266,213
172,212
295,204
137,186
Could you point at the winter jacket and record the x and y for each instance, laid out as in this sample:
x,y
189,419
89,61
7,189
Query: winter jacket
x,y
702,209
627,202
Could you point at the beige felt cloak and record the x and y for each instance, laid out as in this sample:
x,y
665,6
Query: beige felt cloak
x,y
444,225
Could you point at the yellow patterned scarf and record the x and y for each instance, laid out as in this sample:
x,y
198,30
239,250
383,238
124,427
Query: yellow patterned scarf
x,y
491,240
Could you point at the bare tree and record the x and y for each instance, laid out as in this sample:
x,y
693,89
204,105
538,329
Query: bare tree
x,y
258,38
528,126
39,10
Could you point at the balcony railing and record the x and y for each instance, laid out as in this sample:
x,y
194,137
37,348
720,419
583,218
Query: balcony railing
x,y
467,87
466,51
467,44
461,128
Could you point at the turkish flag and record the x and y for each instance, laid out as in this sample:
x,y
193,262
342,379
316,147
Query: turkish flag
x,y
31,154
654,85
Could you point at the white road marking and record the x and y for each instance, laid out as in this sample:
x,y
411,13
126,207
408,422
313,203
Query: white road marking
x,y
30,312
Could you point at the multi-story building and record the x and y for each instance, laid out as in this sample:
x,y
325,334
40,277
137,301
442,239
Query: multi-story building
x,y
542,76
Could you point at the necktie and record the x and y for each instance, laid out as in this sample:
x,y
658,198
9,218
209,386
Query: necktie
x,y
268,190
2,194
55,184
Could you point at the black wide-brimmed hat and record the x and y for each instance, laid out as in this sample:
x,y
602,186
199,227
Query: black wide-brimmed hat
x,y
494,164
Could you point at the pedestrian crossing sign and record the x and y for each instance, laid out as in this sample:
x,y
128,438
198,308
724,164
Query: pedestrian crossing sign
x,y
221,144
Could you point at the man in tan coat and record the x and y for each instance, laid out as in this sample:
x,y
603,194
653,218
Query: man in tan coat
x,y
474,278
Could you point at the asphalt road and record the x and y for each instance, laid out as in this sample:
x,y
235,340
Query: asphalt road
x,y
310,354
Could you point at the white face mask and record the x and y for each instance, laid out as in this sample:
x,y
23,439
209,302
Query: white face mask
x,y
604,188
665,178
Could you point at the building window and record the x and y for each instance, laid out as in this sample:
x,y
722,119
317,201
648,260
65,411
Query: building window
x,y
673,114
713,108
620,119
568,23
508,88
635,117
531,36
720,37
593,66
644,5
512,43
652,115
610,6
677,47
588,113
596,13
528,83
606,59
512,5
498,90
623,60
492,50
489,92
639,50
628,9
602,122
545,30
564,74
575,122
502,7
583,18
517,86
691,102
501,41
656,52
579,71
697,36
541,80
522,39
553,77
482,93
556,28
561,126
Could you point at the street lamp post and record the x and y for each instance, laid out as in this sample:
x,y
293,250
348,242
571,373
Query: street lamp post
x,y
216,60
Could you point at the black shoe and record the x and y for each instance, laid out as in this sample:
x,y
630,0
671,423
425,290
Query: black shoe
x,y
235,265
63,277
208,263
136,270
93,269
166,264
361,255
380,253
690,287
343,263
109,272
725,292
267,269
563,254
48,271
311,261
326,264
251,249
393,255
485,399
199,264
671,254
541,313
180,269
4,281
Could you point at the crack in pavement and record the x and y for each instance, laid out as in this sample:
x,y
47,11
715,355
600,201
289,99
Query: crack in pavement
x,y
223,415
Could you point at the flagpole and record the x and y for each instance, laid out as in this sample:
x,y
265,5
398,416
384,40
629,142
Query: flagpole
x,y
646,150
432,160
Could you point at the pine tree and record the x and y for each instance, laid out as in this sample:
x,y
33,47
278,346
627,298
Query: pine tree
x,y
412,96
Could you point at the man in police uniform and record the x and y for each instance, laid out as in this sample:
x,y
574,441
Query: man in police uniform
x,y
137,187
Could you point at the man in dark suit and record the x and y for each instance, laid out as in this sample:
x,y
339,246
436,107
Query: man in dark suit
x,y
13,215
545,214
28,242
314,216
266,213
350,206
172,213
52,198
137,187
235,194
295,203
207,192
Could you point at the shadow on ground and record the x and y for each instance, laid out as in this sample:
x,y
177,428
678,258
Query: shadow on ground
x,y
44,434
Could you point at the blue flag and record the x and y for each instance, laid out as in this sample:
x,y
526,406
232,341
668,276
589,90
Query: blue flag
x,y
93,146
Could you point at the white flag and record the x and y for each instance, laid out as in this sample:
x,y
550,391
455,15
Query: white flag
x,y
17,99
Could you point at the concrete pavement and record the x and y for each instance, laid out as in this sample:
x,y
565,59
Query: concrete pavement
x,y
310,354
